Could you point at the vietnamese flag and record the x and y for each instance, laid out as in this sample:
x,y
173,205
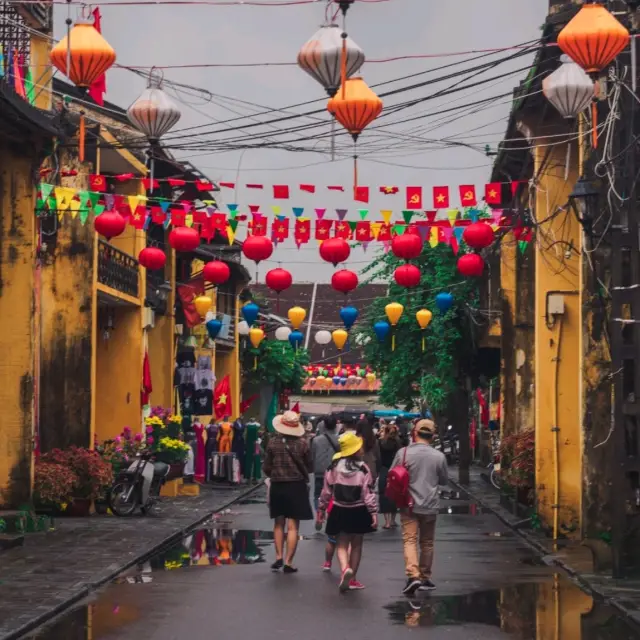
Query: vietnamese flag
x,y
385,232
222,399
178,217
302,232
414,197
468,195
309,188
204,185
389,191
280,230
441,197
97,183
148,184
138,218
323,229
343,230
335,187
361,194
227,185
493,193
280,191
363,231
259,225
158,216
176,182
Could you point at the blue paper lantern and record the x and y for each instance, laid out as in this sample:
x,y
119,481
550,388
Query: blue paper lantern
x,y
295,339
213,328
343,381
382,330
336,379
250,312
444,301
348,315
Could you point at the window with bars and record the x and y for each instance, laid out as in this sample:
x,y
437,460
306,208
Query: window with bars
x,y
15,38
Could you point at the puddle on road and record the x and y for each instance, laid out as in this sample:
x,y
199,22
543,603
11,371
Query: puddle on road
x,y
554,608
463,510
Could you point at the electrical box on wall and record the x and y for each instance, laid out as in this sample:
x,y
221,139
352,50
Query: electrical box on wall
x,y
555,305
148,318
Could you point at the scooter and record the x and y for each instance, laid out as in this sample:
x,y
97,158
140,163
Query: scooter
x,y
138,486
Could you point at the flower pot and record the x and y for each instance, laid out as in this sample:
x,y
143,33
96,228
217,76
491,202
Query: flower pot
x,y
78,508
102,506
176,469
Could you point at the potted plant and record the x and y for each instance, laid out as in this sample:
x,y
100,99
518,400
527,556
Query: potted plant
x,y
53,487
174,452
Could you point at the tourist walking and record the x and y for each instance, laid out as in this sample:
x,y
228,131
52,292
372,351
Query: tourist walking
x,y
349,488
288,464
370,447
427,469
390,444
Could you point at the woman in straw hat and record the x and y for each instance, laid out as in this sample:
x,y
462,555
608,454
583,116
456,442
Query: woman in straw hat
x,y
288,464
349,485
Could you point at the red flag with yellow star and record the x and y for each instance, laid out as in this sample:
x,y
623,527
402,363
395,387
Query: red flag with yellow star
x,y
468,195
280,230
222,404
440,197
258,225
302,233
323,229
385,232
389,191
343,230
493,193
138,218
363,231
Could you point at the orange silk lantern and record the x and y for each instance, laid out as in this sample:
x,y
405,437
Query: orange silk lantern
x,y
83,55
593,38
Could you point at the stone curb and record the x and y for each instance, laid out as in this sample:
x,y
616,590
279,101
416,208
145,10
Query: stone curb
x,y
548,559
112,573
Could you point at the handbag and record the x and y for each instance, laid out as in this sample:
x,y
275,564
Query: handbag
x,y
301,467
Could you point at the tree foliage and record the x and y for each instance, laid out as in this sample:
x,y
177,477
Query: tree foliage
x,y
277,364
410,377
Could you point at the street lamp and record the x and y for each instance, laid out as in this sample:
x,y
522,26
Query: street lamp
x,y
163,291
583,200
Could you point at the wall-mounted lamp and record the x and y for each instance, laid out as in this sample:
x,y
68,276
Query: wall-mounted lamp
x,y
584,201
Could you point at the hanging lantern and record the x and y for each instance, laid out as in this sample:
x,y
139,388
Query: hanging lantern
x,y
478,235
243,328
283,333
344,281
381,329
203,304
593,38
110,224
355,106
312,381
257,248
296,316
250,312
216,272
348,315
336,380
296,338
321,57
152,258
323,338
278,280
408,246
407,276
340,337
256,336
83,55
444,302
569,89
471,265
394,311
183,239
335,250
213,328
424,317
320,380
370,378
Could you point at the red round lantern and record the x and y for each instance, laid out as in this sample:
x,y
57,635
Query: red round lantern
x,y
257,248
471,265
216,272
152,258
407,275
110,224
278,280
407,246
335,250
478,235
344,281
184,239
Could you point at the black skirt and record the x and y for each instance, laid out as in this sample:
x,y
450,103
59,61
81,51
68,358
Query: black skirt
x,y
290,500
386,505
349,520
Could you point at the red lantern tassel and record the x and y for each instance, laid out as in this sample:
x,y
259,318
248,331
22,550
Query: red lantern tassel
x,y
81,136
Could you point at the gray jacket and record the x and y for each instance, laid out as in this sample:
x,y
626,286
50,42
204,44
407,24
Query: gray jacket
x,y
427,473
322,451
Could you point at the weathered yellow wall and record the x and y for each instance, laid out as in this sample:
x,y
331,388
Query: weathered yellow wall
x,y
161,360
17,233
41,70
560,608
558,360
508,284
119,375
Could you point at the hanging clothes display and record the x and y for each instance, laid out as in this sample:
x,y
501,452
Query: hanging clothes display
x,y
204,381
253,455
225,437
200,458
211,445
225,467
238,439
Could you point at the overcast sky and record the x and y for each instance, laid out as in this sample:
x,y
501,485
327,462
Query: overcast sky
x,y
171,35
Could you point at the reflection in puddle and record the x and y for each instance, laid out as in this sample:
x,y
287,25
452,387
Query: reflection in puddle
x,y
463,510
555,608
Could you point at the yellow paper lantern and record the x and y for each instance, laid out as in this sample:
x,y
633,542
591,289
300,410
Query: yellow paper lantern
x,y
371,378
297,316
424,317
320,380
203,304
394,311
256,335
340,337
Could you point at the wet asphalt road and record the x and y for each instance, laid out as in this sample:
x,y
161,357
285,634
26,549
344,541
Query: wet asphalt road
x,y
217,584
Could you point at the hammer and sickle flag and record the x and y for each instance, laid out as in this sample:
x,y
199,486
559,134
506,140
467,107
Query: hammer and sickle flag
x,y
468,195
414,197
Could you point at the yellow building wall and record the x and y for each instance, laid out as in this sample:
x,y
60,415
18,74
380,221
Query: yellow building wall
x,y
119,375
161,361
17,233
508,285
558,361
560,607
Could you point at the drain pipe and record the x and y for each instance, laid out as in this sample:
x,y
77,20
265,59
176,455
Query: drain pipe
x,y
310,322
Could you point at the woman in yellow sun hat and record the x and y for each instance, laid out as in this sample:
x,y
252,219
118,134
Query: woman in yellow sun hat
x,y
349,485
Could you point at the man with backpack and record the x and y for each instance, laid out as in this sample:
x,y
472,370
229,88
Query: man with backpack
x,y
414,481
323,447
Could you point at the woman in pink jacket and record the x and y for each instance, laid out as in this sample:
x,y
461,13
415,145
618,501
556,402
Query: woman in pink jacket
x,y
350,488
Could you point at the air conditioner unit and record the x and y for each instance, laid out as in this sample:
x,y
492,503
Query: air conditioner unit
x,y
148,318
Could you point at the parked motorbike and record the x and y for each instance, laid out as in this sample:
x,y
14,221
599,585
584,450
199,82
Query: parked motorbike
x,y
450,445
138,486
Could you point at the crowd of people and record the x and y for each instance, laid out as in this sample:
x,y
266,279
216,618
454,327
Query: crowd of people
x,y
360,470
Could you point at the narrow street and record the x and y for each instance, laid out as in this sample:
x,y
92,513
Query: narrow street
x,y
217,584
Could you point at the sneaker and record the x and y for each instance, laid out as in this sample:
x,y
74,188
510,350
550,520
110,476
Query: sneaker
x,y
326,567
277,565
413,584
289,569
318,525
426,585
345,580
356,585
